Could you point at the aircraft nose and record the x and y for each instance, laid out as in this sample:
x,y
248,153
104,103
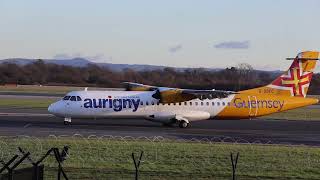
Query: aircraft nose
x,y
52,108
55,108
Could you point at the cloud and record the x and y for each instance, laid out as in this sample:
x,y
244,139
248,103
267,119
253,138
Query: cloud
x,y
97,57
233,45
175,49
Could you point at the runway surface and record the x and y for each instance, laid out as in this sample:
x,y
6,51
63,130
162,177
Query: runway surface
x,y
38,122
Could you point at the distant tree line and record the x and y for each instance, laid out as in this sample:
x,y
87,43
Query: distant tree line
x,y
234,78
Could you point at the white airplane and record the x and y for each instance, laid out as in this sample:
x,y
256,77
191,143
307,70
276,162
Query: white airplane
x,y
182,106
129,104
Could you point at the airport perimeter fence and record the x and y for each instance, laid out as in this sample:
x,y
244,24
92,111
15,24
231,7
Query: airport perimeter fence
x,y
112,157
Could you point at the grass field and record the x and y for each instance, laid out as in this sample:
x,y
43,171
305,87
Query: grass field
x,y
111,159
314,96
38,89
25,103
60,90
296,114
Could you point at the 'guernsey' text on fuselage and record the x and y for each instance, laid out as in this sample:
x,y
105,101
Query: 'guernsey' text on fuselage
x,y
240,103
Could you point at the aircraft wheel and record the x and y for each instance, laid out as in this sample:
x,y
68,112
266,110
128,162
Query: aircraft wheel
x,y
183,124
67,121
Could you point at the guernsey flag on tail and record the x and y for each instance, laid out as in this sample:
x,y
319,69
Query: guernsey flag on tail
x,y
296,80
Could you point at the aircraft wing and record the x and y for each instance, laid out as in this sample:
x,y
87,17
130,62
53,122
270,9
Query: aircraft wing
x,y
130,86
174,95
208,94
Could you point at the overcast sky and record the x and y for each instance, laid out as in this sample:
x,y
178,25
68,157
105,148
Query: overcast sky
x,y
185,33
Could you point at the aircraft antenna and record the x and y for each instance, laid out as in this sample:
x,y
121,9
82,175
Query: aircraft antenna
x,y
313,59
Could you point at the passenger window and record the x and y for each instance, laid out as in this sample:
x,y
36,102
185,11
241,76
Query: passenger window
x,y
158,103
223,104
218,103
179,103
185,103
79,98
207,103
212,103
174,104
73,98
190,103
201,103
152,103
196,103
66,98
141,103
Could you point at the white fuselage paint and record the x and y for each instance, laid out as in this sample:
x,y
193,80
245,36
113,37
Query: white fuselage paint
x,y
124,104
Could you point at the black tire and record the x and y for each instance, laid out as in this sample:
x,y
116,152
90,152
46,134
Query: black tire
x,y
183,124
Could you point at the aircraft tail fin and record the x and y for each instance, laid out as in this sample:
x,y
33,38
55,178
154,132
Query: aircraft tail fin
x,y
296,80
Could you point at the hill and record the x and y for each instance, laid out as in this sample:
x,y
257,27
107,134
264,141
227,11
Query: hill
x,y
82,62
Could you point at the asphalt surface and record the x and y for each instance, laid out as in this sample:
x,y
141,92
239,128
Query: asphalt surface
x,y
38,122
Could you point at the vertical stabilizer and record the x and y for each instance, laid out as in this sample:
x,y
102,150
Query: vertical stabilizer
x,y
296,80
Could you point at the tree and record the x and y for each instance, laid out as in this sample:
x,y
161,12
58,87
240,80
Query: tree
x,y
235,78
246,75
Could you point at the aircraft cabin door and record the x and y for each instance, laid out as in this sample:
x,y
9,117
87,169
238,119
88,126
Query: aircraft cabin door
x,y
253,106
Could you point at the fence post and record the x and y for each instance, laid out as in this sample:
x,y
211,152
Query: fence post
x,y
60,157
234,163
35,164
6,165
10,169
137,164
17,164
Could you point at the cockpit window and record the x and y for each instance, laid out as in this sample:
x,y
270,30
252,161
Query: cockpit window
x,y
79,98
66,98
73,98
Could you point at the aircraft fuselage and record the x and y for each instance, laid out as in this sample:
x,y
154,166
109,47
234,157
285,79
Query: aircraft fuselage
x,y
141,104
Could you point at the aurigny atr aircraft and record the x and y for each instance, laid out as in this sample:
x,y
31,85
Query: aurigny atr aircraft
x,y
182,106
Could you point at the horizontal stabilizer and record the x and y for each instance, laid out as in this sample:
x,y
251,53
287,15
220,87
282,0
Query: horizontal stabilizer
x,y
303,59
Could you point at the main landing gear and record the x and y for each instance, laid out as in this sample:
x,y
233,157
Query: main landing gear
x,y
183,124
67,121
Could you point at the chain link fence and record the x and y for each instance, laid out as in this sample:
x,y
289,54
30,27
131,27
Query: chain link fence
x,y
110,157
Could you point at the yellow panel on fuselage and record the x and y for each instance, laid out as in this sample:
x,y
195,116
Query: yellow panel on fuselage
x,y
245,106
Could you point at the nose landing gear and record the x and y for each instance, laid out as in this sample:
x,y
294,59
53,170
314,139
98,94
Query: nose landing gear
x,y
67,121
